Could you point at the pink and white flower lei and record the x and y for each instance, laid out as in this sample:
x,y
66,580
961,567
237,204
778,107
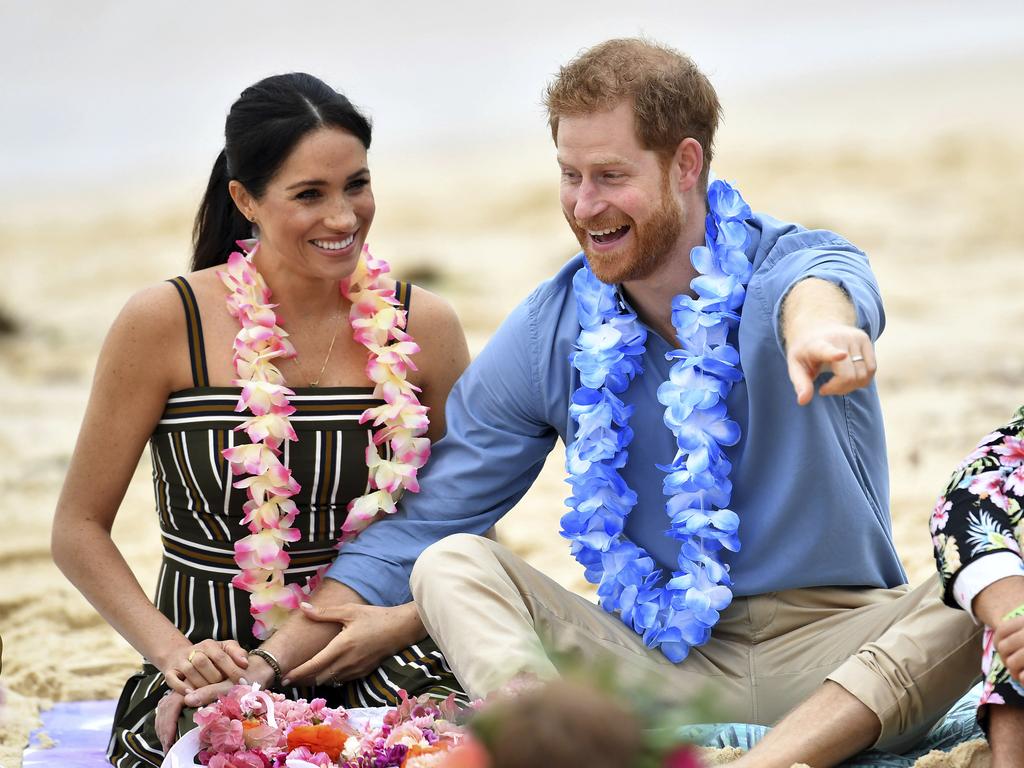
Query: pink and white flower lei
x,y
377,322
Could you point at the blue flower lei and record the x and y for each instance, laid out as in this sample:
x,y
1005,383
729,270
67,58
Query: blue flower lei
x,y
679,613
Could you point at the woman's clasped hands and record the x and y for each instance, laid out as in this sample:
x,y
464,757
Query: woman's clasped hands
x,y
195,666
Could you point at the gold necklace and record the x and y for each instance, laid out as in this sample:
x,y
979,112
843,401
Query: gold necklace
x,y
316,382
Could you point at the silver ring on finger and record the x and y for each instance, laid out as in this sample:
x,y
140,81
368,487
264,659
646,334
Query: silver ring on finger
x,y
857,359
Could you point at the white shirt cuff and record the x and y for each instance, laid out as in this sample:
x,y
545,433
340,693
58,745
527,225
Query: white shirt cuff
x,y
982,573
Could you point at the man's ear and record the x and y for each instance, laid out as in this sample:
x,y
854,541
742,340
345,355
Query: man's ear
x,y
688,162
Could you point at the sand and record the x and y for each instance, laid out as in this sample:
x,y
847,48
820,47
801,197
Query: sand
x,y
936,207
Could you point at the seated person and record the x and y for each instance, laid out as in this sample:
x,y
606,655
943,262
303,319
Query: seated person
x,y
261,455
978,529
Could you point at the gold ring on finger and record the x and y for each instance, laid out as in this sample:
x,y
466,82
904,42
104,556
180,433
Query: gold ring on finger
x,y
191,656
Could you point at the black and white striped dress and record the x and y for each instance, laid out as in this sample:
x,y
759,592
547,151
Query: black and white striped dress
x,y
200,519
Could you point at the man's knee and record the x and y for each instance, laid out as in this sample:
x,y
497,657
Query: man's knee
x,y
451,552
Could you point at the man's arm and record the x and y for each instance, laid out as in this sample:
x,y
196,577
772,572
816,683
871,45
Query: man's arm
x,y
496,442
823,302
819,333
495,445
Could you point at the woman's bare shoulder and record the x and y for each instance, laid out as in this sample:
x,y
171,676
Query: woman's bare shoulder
x,y
432,314
147,335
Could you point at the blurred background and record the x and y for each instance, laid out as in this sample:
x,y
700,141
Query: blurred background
x,y
896,124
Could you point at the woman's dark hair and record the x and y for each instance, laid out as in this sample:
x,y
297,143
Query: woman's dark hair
x,y
262,129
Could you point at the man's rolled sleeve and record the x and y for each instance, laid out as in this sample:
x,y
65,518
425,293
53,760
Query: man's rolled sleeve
x,y
494,447
825,256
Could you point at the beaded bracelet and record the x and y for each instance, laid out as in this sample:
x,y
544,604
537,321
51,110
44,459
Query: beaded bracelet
x,y
268,657
1018,611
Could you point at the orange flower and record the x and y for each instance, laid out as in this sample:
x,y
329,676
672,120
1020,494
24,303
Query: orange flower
x,y
412,757
318,738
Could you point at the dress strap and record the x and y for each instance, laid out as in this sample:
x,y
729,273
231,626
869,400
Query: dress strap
x,y
196,347
403,292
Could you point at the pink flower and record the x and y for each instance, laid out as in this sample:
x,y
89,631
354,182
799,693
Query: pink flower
x,y
305,753
275,481
286,596
272,427
262,737
252,459
261,396
275,512
406,733
411,450
264,549
940,515
1015,482
363,511
990,485
387,475
1012,451
239,760
222,734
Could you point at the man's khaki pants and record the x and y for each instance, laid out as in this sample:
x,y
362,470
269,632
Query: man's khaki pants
x,y
901,652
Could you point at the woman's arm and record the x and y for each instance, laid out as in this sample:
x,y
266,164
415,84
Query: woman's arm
x,y
134,375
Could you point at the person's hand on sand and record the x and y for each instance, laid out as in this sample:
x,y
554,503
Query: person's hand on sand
x,y
1009,638
844,350
207,662
167,713
367,636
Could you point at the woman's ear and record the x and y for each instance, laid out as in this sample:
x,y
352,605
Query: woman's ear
x,y
245,202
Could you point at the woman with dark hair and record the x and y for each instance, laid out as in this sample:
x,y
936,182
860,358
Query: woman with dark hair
x,y
977,531
282,387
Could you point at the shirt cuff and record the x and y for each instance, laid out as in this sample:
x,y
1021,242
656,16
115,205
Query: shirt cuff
x,y
982,573
378,581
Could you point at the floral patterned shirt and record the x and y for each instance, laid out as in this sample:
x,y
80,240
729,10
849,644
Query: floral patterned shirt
x,y
977,526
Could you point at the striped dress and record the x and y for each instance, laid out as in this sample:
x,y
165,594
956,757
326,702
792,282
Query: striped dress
x,y
200,519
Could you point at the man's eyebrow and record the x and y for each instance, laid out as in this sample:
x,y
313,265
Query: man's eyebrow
x,y
602,160
321,183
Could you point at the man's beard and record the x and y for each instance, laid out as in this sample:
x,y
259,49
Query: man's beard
x,y
652,243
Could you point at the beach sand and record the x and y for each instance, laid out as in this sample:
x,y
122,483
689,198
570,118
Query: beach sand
x,y
936,207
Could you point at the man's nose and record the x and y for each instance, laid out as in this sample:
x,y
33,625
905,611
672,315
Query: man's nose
x,y
589,202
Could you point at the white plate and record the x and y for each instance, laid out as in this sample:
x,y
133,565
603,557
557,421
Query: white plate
x,y
184,750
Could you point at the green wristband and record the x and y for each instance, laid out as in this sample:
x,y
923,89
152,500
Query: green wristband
x,y
1018,611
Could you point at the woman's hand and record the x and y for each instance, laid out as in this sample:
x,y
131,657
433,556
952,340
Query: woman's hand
x,y
258,672
205,663
368,635
167,713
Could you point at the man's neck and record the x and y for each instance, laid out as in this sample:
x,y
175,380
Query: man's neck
x,y
652,296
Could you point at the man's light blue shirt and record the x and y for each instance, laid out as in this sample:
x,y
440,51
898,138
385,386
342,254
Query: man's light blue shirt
x,y
810,484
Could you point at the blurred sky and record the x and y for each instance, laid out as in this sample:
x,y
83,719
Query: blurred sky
x,y
100,93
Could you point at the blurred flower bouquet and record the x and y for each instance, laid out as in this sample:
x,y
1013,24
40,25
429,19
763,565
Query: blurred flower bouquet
x,y
254,728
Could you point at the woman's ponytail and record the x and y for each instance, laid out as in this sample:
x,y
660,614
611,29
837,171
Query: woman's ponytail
x,y
219,223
